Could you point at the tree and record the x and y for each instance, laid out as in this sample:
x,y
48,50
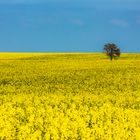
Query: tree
x,y
112,50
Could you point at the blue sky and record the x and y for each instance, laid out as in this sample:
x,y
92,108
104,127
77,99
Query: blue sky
x,y
69,25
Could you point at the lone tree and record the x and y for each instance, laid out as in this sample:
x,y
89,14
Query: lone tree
x,y
112,50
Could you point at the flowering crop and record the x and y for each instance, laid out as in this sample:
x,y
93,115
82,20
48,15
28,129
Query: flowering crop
x,y
69,97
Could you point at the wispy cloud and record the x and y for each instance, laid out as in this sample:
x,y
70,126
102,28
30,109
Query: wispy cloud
x,y
36,21
119,22
78,22
138,20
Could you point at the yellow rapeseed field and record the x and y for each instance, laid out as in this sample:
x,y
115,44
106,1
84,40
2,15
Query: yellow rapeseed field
x,y
85,96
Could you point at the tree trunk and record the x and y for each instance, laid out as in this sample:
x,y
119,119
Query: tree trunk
x,y
111,57
111,54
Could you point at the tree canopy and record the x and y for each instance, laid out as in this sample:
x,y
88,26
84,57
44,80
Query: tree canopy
x,y
112,50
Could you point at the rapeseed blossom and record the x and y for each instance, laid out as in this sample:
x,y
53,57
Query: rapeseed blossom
x,y
69,96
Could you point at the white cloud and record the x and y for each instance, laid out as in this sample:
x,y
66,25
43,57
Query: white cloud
x,y
36,21
120,22
78,22
138,20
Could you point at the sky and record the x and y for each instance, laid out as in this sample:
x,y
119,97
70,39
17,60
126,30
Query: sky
x,y
69,25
